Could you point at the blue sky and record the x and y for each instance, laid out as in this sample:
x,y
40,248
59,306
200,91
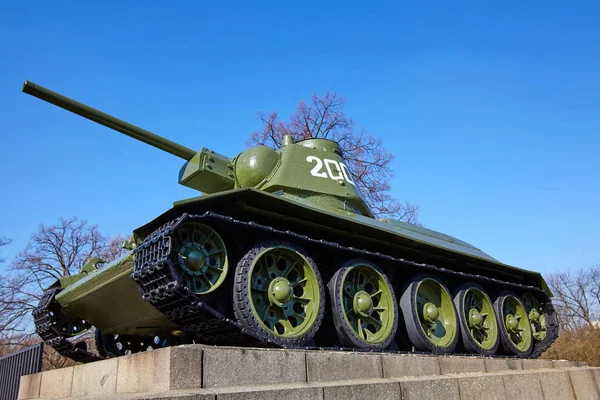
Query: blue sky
x,y
492,110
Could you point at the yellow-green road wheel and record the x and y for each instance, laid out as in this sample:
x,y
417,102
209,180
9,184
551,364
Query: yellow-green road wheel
x,y
199,256
364,309
537,317
477,319
429,315
515,331
279,293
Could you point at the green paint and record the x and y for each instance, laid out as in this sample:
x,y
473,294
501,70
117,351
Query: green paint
x,y
254,166
536,316
479,313
94,299
515,323
367,304
108,120
90,266
284,292
362,303
430,313
436,310
280,291
201,257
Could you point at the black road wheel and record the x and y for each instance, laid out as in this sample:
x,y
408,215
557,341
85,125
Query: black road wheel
x,y
279,293
363,303
515,331
429,315
477,319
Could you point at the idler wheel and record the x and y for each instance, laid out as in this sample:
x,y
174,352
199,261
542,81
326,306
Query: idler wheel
x,y
200,256
478,323
279,293
515,331
363,303
429,315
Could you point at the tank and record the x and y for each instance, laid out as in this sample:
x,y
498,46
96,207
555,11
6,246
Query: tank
x,y
280,249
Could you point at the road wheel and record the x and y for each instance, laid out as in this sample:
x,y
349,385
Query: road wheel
x,y
279,293
199,256
515,331
478,324
429,315
536,315
364,306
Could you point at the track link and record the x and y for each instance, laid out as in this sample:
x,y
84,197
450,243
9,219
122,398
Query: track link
x,y
160,285
47,317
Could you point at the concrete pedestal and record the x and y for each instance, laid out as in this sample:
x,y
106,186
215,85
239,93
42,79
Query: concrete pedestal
x,y
218,373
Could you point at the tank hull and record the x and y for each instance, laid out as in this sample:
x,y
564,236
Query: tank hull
x,y
396,238
110,300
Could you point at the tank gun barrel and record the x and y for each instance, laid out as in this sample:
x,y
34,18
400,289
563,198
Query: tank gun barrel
x,y
107,120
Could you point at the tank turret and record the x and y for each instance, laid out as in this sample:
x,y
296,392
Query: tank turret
x,y
289,170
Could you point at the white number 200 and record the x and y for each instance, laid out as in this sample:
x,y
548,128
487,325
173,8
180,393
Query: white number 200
x,y
333,169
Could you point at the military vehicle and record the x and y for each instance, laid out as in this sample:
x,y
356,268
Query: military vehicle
x,y
246,262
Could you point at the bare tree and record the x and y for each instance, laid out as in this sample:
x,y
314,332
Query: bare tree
x,y
324,117
3,242
577,303
53,252
577,298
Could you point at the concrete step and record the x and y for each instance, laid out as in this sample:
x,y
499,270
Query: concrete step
x,y
204,372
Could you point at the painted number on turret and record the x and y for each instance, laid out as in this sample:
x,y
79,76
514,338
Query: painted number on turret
x,y
333,169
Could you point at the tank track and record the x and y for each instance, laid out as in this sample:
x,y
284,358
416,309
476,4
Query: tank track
x,y
155,278
46,316
160,285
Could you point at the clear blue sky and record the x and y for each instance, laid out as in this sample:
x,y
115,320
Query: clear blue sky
x,y
492,110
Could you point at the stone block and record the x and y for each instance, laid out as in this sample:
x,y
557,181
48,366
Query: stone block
x,y
523,386
162,396
460,365
56,383
282,392
563,364
502,364
29,387
396,366
372,390
185,367
323,366
596,372
482,387
537,364
584,384
439,388
228,366
556,385
148,371
95,378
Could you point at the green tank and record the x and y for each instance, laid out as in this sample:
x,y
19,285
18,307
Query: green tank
x,y
281,250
